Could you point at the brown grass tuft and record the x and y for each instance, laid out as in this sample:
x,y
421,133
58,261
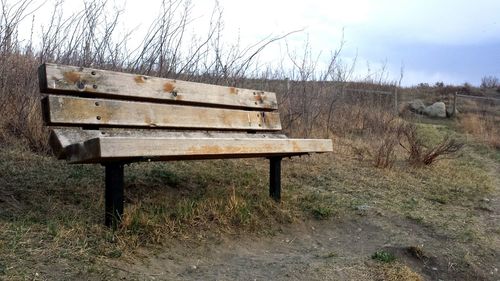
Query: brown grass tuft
x,y
396,272
484,127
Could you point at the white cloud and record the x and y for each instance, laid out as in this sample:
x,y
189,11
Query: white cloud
x,y
439,22
373,27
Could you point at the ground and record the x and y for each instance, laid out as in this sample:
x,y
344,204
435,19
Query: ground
x,y
336,249
340,219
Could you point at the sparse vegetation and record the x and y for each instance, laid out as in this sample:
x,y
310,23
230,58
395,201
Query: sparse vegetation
x,y
397,272
483,127
383,256
320,206
420,153
490,82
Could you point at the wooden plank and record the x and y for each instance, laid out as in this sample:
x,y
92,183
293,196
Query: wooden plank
x,y
478,97
104,149
61,138
71,80
74,111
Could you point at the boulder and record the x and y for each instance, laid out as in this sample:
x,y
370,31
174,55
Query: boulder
x,y
417,106
437,109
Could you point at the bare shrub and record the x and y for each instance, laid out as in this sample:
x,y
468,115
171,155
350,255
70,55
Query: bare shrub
x,y
384,130
420,153
89,38
446,146
378,132
19,100
385,151
490,82
313,101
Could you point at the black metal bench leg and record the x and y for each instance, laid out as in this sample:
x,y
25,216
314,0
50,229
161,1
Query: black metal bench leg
x,y
275,178
114,194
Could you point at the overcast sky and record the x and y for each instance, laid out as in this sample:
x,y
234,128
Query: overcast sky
x,y
455,41
451,41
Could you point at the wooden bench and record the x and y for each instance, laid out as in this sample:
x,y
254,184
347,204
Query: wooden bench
x,y
114,118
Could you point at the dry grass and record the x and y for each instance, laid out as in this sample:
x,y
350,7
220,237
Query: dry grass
x,y
396,272
21,118
484,128
53,211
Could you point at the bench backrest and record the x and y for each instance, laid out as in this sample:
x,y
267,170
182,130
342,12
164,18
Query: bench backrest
x,y
93,98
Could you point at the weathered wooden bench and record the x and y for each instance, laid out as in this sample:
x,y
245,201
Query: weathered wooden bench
x,y
114,118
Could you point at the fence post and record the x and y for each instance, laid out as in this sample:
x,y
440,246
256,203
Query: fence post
x,y
455,104
396,100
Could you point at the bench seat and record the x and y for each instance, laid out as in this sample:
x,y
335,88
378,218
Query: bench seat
x,y
102,149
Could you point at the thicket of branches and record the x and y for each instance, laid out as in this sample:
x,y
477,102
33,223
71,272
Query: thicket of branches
x,y
312,101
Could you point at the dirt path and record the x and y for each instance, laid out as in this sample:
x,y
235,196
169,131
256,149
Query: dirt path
x,y
325,250
304,251
313,250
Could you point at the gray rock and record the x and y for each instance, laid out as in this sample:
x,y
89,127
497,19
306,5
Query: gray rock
x,y
417,106
437,109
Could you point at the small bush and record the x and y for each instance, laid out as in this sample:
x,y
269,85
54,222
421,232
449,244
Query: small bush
x,y
420,153
380,130
320,206
385,156
383,150
383,256
322,212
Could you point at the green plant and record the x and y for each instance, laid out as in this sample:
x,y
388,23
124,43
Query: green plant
x,y
163,176
322,212
383,256
320,206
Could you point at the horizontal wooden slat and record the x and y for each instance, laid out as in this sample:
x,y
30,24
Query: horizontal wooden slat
x,y
61,138
71,80
74,111
122,148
